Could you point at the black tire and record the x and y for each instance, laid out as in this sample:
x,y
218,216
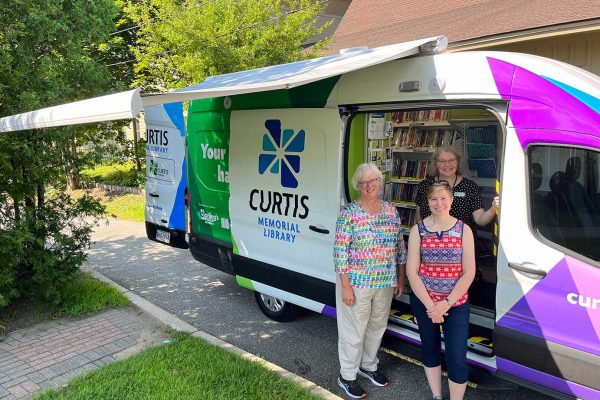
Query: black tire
x,y
274,308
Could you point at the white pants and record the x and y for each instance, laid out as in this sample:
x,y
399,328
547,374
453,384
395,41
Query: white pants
x,y
360,328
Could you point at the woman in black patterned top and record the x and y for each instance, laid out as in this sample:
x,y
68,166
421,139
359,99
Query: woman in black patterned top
x,y
467,205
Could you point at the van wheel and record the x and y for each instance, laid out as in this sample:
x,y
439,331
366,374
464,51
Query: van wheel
x,y
274,308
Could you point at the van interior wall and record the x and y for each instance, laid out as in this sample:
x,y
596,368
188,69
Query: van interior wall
x,y
401,143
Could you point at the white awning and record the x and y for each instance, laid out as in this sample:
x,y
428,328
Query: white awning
x,y
123,105
285,76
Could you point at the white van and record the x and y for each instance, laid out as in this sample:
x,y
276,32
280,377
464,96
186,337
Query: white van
x,y
166,174
270,153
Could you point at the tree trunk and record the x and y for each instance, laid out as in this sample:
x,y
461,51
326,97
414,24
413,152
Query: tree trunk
x,y
73,178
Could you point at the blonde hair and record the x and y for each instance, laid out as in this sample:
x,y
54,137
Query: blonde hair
x,y
437,186
432,167
364,170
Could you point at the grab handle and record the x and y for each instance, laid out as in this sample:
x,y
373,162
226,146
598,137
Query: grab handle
x,y
523,268
318,229
153,194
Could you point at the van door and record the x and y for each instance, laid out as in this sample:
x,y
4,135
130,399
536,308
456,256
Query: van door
x,y
285,191
548,302
165,174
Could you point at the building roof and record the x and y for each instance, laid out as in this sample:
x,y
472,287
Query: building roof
x,y
375,23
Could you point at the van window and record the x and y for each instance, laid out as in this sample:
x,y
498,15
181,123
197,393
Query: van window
x,y
565,197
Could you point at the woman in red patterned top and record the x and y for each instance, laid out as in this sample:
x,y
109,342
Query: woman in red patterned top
x,y
440,268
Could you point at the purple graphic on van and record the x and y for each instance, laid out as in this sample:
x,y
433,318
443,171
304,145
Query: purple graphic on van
x,y
547,380
542,109
569,287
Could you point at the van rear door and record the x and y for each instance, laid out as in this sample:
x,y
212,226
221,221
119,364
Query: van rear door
x,y
165,174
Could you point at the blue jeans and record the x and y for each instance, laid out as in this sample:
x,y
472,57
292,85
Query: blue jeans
x,y
456,334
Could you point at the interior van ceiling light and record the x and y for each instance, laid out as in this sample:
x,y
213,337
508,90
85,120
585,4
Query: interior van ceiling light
x,y
435,46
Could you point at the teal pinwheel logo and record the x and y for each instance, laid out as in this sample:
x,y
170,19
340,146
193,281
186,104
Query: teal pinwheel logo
x,y
281,152
153,167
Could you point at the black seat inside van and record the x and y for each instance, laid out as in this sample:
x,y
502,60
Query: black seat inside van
x,y
580,202
546,207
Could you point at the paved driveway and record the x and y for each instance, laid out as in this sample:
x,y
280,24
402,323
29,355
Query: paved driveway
x,y
213,302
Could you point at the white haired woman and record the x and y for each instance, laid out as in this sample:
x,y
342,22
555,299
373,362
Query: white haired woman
x,y
369,259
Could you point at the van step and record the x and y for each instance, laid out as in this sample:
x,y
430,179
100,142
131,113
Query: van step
x,y
477,344
478,378
487,381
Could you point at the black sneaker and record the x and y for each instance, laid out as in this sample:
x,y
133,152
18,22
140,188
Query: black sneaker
x,y
377,378
352,388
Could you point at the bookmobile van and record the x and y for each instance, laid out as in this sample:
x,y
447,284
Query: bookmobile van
x,y
270,154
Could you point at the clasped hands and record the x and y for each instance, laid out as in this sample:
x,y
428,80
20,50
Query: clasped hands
x,y
438,311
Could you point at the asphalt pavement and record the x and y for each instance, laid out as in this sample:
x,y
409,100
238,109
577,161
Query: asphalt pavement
x,y
212,302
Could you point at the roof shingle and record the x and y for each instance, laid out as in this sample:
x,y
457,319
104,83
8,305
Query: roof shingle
x,y
380,22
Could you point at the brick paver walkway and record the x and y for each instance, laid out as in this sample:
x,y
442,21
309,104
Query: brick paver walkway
x,y
52,353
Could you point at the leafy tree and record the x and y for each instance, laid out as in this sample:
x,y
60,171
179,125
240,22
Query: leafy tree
x,y
180,43
51,52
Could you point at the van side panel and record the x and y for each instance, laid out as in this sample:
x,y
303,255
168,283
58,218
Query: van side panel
x,y
542,334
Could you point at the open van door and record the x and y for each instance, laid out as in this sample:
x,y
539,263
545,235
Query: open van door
x,y
285,180
166,175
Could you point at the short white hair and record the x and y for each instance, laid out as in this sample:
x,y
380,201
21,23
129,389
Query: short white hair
x,y
364,170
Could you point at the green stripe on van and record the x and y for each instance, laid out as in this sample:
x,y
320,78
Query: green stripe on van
x,y
244,282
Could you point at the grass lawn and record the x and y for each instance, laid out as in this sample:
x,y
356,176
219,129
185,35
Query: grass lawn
x,y
83,296
127,206
117,174
89,296
187,368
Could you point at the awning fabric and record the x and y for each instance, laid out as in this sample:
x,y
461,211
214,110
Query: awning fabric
x,y
284,76
123,105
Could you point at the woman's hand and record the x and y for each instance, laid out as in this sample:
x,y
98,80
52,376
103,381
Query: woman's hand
x,y
347,295
400,287
496,203
439,310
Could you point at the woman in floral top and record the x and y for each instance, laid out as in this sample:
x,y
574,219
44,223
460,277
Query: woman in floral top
x,y
369,257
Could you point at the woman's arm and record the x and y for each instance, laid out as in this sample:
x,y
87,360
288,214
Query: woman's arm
x,y
341,251
482,218
468,266
412,268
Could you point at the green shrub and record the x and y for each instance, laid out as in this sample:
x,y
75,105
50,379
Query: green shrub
x,y
42,248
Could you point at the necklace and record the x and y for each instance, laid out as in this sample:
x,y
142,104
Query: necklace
x,y
454,183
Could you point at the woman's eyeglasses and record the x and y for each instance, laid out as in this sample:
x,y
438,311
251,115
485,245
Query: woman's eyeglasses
x,y
370,182
446,162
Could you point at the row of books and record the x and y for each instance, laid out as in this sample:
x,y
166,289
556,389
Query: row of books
x,y
420,115
484,134
403,192
414,138
408,216
409,168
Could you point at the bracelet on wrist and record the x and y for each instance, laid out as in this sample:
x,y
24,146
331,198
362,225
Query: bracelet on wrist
x,y
450,303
